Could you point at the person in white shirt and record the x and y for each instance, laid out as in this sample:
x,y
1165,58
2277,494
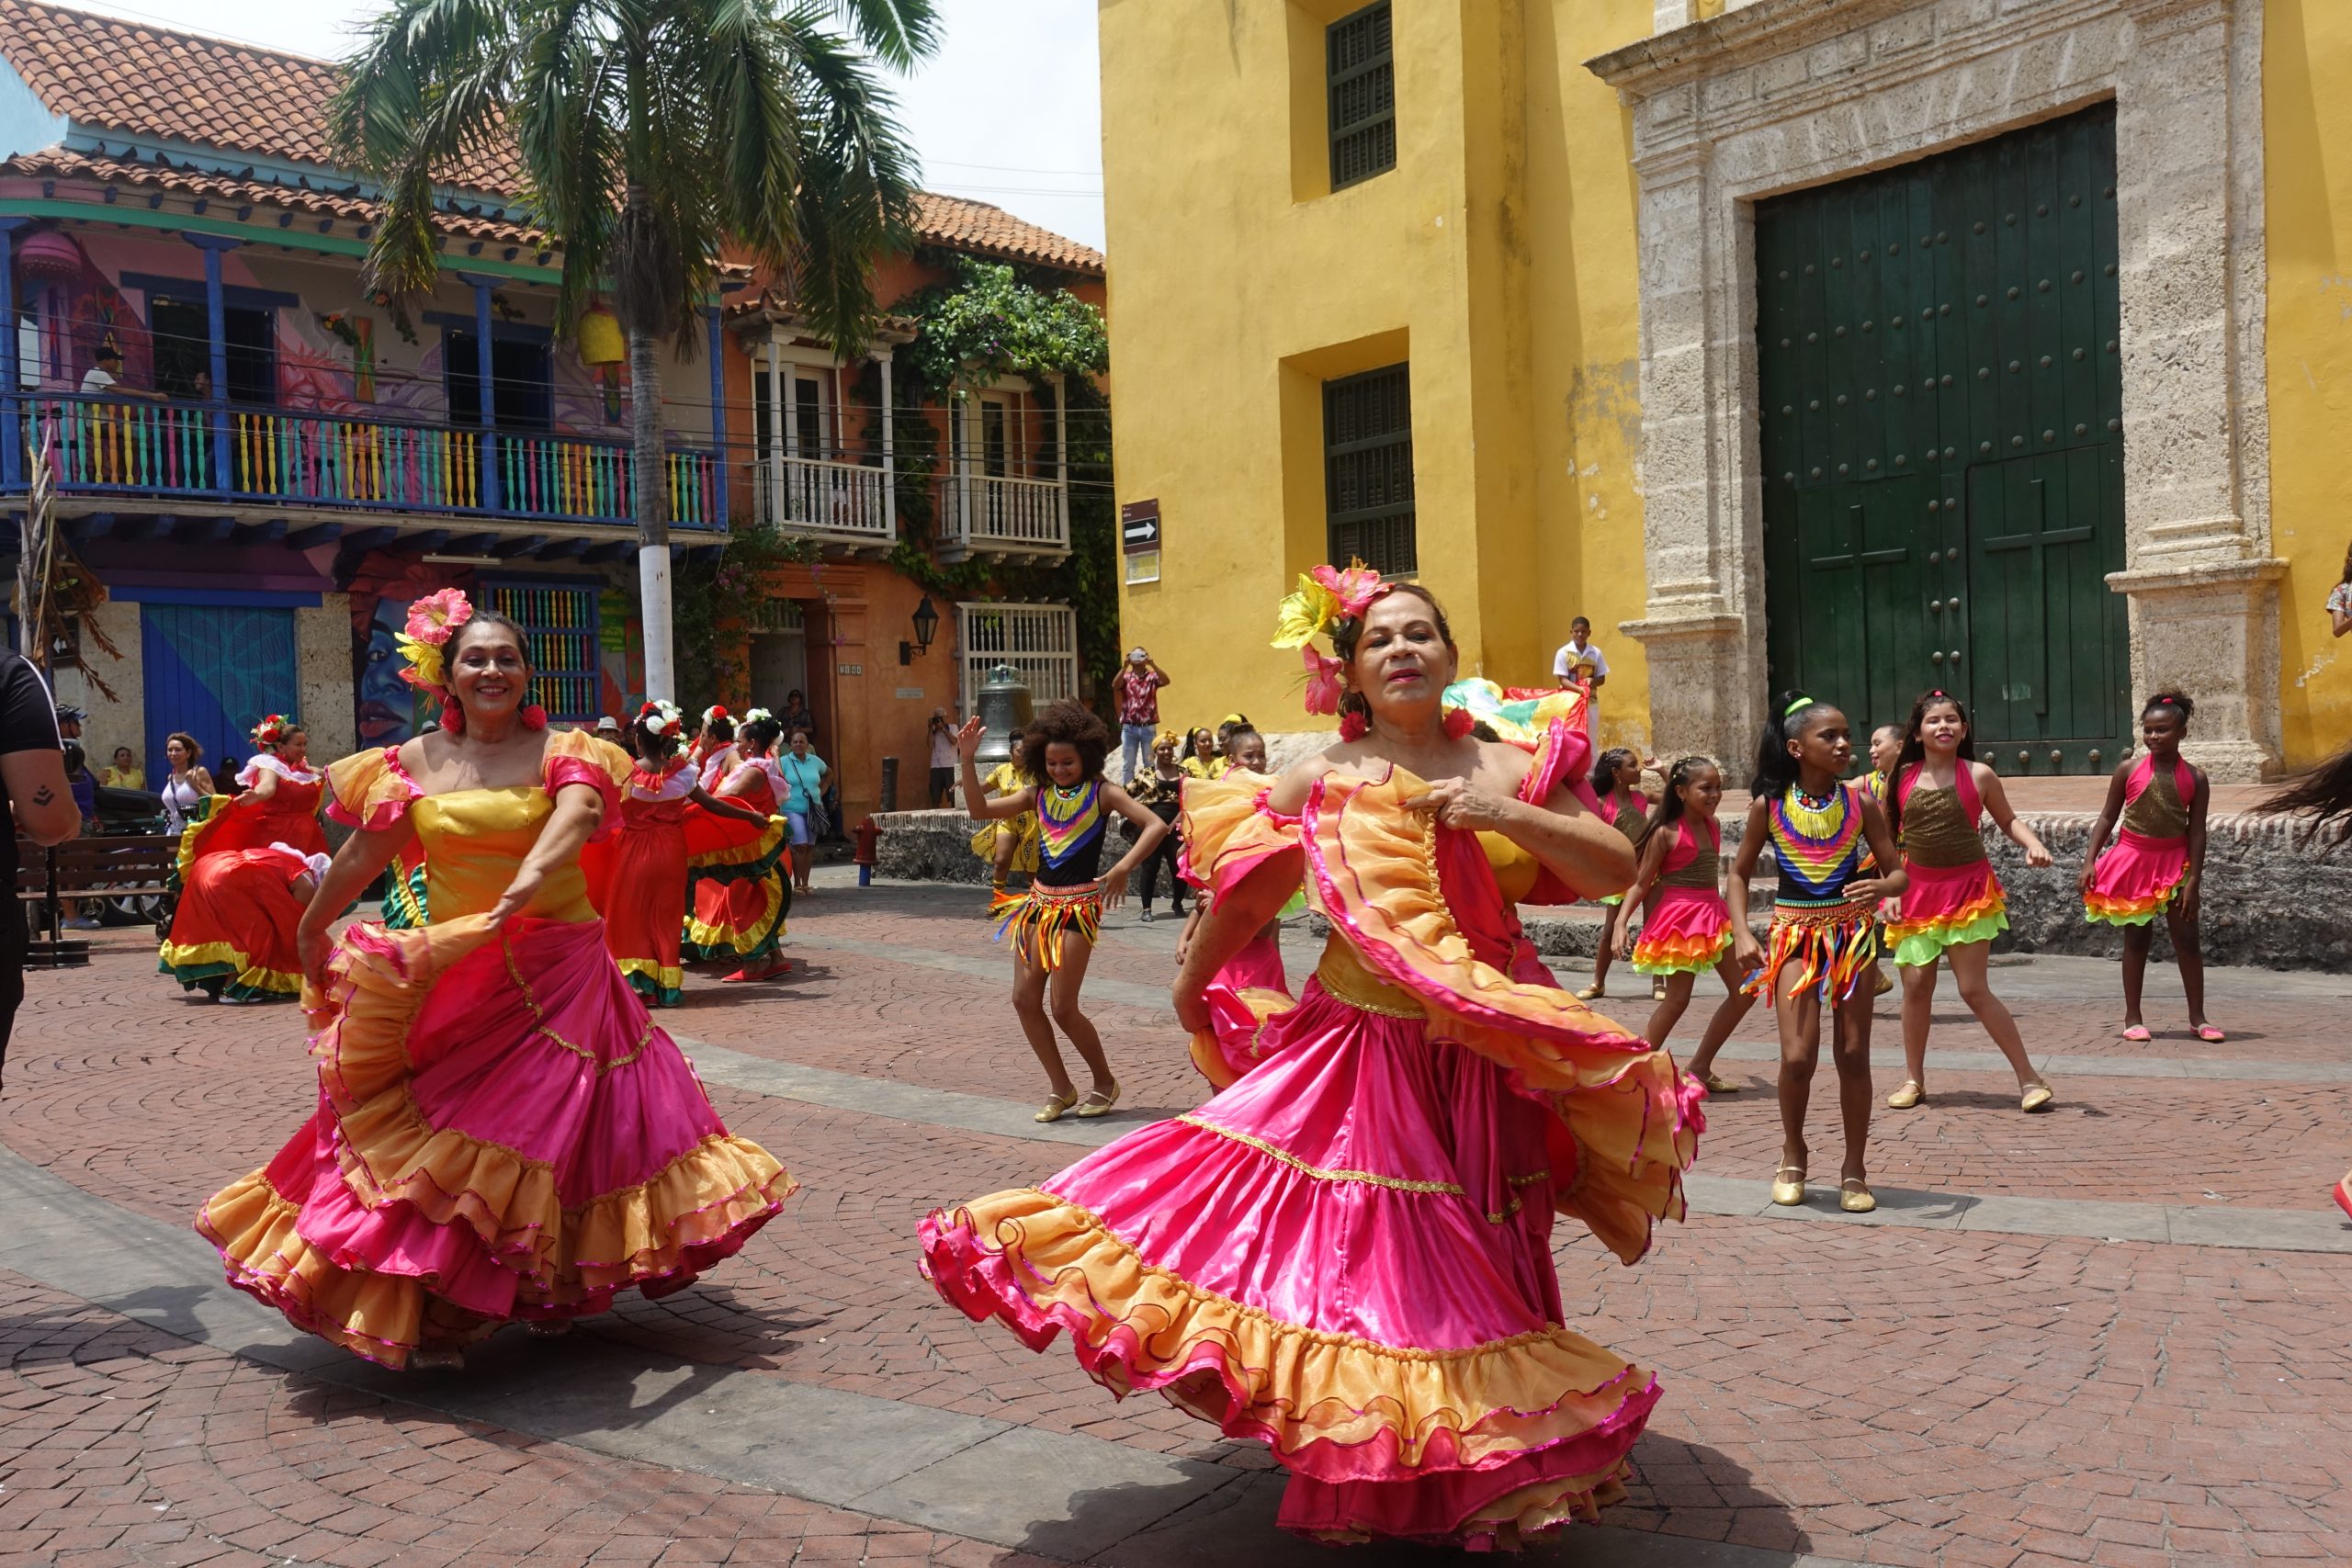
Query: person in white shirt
x,y
1577,659
104,379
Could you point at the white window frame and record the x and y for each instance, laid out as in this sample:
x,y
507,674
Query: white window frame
x,y
1038,641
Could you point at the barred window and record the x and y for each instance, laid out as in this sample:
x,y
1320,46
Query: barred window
x,y
1368,470
1363,95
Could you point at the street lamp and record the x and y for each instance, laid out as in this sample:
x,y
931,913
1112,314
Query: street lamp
x,y
926,626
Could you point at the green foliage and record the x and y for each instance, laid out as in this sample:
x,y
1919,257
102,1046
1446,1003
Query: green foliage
x,y
990,323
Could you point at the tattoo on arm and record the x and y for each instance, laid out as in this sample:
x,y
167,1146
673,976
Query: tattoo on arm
x,y
44,796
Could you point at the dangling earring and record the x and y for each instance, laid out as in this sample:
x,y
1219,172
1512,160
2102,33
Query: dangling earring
x,y
1355,716
453,717
535,716
1458,723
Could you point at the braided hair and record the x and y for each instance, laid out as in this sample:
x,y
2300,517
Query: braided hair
x,y
1671,807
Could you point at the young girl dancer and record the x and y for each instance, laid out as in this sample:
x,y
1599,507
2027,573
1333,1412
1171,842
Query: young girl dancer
x,y
1063,758
1954,904
1617,784
2157,860
715,752
1821,951
1009,847
1688,926
645,904
1159,789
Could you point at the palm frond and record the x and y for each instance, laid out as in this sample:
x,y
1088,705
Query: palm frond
x,y
897,32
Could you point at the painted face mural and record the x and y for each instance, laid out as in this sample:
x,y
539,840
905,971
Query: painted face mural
x,y
388,709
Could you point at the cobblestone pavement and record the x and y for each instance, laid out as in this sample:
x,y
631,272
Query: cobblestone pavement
x,y
1893,1394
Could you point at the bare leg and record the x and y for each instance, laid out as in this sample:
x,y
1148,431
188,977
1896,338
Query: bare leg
x,y
1969,964
1728,1013
2137,940
1918,1015
1667,1013
1029,1007
2189,951
1800,1020
1067,979
1007,840
800,856
1607,951
1850,1049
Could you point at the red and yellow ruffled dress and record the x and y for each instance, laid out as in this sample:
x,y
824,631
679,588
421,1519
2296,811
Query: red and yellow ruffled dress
x,y
1347,1255
644,902
1954,896
2137,877
1252,987
501,1133
233,927
1688,928
233,930
737,893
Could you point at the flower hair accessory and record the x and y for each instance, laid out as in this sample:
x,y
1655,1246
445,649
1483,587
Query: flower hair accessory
x,y
272,731
658,717
714,711
1324,597
432,622
754,715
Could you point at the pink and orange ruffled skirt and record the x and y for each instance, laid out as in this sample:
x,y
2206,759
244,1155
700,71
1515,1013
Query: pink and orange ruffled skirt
x,y
1946,906
2135,879
501,1134
1688,932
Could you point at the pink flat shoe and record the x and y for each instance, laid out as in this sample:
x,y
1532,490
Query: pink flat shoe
x,y
2137,1032
2210,1035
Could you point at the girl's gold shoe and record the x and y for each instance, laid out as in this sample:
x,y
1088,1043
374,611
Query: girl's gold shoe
x,y
1718,1085
1097,1103
1053,1107
1854,1196
1908,1095
2037,1097
1788,1194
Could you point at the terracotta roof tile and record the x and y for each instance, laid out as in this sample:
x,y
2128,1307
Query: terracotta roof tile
x,y
113,74
964,225
108,73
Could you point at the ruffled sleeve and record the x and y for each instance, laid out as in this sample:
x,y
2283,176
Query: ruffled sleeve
x,y
1563,759
1628,1120
576,757
1230,832
369,790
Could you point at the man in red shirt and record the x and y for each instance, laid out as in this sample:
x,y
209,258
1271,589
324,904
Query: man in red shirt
x,y
1135,690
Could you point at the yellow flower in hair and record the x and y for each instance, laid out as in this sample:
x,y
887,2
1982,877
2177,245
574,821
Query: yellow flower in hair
x,y
1305,614
424,667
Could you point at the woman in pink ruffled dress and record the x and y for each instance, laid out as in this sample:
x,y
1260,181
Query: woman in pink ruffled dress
x,y
1347,1255
500,1132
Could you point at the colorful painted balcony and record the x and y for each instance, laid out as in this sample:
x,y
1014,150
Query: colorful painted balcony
x,y
845,504
291,461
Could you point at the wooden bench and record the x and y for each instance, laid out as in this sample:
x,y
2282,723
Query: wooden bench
x,y
134,871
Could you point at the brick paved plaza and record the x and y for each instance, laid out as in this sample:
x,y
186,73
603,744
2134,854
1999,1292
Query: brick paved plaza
x,y
2120,1334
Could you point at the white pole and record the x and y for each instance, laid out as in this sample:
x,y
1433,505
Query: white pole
x,y
1061,446
889,452
653,599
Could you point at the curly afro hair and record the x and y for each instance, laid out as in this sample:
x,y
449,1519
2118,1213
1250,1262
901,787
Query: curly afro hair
x,y
1069,724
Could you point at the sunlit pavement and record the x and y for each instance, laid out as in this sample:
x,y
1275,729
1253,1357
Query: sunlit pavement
x,y
2118,1334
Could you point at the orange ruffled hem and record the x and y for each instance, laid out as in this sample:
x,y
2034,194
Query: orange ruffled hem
x,y
2114,911
1681,954
1625,1104
1298,1389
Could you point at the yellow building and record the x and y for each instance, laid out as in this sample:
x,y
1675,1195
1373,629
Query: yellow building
x,y
1865,346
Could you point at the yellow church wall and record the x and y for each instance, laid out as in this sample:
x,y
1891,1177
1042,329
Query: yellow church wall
x,y
2307,199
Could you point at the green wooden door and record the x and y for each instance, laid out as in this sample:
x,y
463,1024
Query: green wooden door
x,y
1941,435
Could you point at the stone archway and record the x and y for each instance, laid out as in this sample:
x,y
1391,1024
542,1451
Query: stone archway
x,y
1778,95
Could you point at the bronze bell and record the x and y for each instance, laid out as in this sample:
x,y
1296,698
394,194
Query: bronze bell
x,y
1003,707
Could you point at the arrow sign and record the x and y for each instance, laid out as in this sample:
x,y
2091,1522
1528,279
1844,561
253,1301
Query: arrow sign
x,y
1139,526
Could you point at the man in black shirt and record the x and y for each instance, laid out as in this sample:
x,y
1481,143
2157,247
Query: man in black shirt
x,y
32,769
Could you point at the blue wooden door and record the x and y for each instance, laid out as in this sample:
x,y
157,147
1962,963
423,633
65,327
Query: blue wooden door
x,y
214,670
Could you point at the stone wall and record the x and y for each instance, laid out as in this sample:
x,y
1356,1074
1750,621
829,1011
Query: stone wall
x,y
2270,899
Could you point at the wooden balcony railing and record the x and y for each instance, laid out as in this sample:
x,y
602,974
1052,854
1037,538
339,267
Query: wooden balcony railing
x,y
133,446
809,495
989,514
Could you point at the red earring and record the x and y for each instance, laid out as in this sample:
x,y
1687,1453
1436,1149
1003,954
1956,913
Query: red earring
x,y
535,717
453,717
1354,725
1459,723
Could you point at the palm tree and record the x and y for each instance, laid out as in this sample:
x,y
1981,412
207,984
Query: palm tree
x,y
649,131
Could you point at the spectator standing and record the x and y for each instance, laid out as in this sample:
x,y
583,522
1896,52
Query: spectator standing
x,y
32,769
1579,661
189,782
804,772
942,758
126,773
1136,691
104,378
796,715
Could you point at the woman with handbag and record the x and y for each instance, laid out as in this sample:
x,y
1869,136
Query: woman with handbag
x,y
804,772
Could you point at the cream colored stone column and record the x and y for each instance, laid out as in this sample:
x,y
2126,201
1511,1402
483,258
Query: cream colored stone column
x,y
1705,656
2202,583
324,680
